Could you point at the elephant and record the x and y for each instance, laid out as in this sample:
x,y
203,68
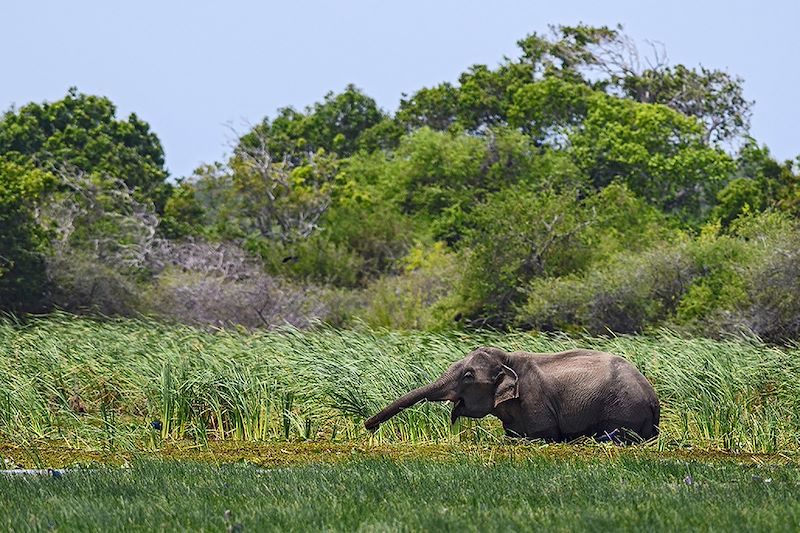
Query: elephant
x,y
556,397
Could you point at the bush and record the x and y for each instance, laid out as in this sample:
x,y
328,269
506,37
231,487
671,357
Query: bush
x,y
746,281
719,285
773,290
739,197
770,302
101,240
79,283
625,295
255,302
219,284
316,260
520,235
377,235
417,297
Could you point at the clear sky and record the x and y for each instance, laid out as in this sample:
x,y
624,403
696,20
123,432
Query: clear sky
x,y
192,68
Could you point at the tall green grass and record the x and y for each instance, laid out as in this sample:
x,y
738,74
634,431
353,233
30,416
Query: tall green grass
x,y
321,385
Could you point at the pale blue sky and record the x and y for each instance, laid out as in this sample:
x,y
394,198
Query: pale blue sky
x,y
191,67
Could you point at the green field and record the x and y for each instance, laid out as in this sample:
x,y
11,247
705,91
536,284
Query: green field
x,y
269,426
470,494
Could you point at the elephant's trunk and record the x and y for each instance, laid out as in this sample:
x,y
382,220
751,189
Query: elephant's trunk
x,y
438,391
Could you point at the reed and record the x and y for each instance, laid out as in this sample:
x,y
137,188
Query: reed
x,y
136,383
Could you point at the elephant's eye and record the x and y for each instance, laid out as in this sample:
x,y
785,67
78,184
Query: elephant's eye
x,y
469,375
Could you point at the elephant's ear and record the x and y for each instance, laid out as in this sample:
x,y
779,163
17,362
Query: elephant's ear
x,y
506,386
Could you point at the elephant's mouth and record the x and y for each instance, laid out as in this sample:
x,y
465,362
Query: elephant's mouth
x,y
458,409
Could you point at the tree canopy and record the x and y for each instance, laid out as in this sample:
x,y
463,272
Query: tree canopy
x,y
82,131
582,185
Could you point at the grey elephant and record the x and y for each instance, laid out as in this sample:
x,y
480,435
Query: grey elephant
x,y
555,397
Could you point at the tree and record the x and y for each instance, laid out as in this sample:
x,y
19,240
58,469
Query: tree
x,y
580,58
759,182
607,58
101,241
548,111
714,97
440,177
659,153
23,241
568,53
335,125
435,108
82,131
280,200
520,234
484,95
183,213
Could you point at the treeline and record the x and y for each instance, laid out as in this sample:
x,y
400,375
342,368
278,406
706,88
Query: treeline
x,y
575,187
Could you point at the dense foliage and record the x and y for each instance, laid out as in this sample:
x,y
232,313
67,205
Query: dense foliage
x,y
574,187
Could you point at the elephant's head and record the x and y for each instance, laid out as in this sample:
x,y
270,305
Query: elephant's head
x,y
476,385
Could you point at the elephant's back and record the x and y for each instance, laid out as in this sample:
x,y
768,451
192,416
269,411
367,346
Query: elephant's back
x,y
577,360
589,375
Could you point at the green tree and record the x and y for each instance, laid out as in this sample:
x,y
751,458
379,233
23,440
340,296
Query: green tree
x,y
183,212
335,125
440,177
740,196
571,59
82,131
23,241
548,111
759,182
714,97
607,59
520,234
523,234
658,153
435,108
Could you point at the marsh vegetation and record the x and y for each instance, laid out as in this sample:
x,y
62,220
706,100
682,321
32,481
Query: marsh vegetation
x,y
136,384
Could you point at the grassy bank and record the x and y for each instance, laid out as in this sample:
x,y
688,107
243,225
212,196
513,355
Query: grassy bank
x,y
627,494
101,385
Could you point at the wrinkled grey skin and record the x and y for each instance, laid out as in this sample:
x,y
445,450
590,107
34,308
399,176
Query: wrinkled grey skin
x,y
555,397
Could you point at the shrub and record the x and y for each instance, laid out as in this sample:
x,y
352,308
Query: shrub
x,y
773,290
770,303
719,285
740,196
219,284
79,283
377,235
417,297
746,281
520,235
625,295
101,239
316,260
